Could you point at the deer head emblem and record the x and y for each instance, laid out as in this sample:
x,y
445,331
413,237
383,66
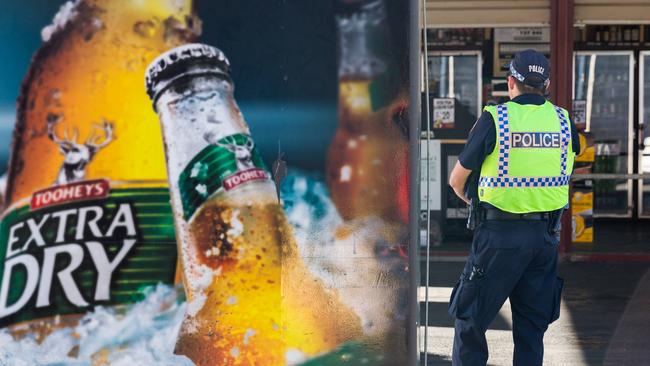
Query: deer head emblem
x,y
243,153
76,156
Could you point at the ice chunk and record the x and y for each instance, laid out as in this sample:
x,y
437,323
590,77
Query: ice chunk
x,y
200,283
236,226
293,357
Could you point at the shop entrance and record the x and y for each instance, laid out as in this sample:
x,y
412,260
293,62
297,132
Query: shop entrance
x,y
466,70
611,194
607,87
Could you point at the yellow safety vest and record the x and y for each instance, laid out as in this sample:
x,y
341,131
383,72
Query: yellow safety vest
x,y
530,167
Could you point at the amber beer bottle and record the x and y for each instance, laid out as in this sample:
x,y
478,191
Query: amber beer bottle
x,y
366,173
87,219
368,154
251,299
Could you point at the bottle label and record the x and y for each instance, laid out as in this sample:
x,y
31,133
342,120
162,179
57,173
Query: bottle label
x,y
83,244
221,166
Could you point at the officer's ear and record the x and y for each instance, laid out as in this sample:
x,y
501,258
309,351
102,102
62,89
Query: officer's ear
x,y
547,89
512,87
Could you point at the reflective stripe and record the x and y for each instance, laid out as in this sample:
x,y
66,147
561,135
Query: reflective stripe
x,y
503,179
523,181
565,132
516,73
504,140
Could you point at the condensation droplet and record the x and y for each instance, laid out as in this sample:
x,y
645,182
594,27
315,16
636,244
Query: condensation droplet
x,y
145,28
90,27
53,98
99,77
177,31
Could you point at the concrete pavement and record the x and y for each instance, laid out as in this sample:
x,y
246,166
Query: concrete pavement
x,y
605,317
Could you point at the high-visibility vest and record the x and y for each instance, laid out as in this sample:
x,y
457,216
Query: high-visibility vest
x,y
530,167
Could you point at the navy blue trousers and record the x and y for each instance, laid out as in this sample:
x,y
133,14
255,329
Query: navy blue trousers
x,y
508,259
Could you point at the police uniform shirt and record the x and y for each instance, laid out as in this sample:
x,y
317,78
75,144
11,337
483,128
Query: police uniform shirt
x,y
482,141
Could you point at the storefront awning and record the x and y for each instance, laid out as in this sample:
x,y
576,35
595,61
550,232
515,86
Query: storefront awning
x,y
487,13
612,11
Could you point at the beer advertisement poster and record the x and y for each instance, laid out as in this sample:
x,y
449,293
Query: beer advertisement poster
x,y
198,182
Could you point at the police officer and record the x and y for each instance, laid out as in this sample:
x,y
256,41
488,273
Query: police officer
x,y
521,153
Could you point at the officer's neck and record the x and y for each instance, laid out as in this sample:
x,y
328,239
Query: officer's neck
x,y
529,98
514,93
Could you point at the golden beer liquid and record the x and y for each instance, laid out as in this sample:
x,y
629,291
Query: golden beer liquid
x,y
264,302
365,156
90,71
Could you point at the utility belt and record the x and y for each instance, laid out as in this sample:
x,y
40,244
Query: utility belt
x,y
480,212
496,214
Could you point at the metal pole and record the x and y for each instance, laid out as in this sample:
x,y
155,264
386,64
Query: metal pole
x,y
427,109
611,176
562,83
414,180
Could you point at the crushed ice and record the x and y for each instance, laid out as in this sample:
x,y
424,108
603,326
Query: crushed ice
x,y
201,281
345,254
144,335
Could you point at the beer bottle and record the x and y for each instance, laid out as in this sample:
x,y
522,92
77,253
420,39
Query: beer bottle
x,y
87,219
367,159
367,174
251,299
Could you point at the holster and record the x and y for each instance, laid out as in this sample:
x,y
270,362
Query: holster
x,y
474,218
555,222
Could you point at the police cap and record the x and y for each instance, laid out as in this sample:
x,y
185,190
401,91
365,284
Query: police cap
x,y
531,68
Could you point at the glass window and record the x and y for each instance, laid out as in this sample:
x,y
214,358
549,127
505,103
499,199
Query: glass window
x,y
603,81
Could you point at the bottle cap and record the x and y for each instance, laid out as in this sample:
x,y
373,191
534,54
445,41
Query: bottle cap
x,y
189,59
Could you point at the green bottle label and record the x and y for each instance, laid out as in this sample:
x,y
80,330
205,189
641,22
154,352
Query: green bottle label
x,y
351,353
84,244
221,166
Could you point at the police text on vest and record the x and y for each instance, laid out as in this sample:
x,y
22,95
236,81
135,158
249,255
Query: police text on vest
x,y
535,139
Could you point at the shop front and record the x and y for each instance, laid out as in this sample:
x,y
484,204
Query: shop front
x,y
600,52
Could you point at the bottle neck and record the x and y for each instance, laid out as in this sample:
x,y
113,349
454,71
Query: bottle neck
x,y
205,102
367,69
362,38
207,143
197,111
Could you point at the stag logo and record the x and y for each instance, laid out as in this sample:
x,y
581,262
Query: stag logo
x,y
243,153
76,155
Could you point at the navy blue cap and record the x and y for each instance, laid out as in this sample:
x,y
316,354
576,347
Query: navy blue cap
x,y
531,68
